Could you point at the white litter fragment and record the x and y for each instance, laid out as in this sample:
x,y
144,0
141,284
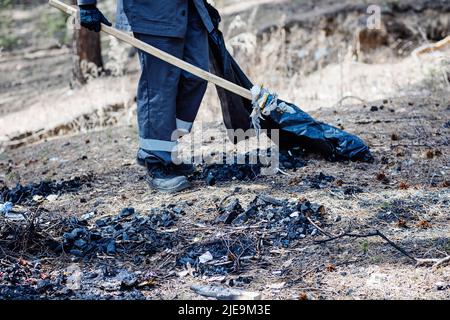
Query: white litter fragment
x,y
15,216
216,279
183,273
222,293
295,214
38,198
6,207
277,286
206,257
73,281
88,216
52,197
7,210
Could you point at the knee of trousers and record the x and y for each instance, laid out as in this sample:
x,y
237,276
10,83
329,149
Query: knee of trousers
x,y
190,87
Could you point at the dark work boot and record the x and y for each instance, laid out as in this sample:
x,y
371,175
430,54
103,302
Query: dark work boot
x,y
184,168
163,178
146,159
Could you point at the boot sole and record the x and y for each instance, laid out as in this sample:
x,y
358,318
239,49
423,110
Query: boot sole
x,y
181,187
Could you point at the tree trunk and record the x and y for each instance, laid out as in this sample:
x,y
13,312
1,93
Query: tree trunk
x,y
87,49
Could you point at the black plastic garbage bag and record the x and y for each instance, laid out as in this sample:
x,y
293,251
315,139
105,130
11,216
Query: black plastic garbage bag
x,y
297,129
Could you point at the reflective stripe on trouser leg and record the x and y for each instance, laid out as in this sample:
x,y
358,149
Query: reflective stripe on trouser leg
x,y
157,145
191,88
183,127
156,97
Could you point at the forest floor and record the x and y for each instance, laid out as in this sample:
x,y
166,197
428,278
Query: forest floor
x,y
72,178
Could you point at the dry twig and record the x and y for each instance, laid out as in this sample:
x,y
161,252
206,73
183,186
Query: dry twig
x,y
436,262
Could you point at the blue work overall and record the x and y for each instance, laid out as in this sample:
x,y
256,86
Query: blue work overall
x,y
168,98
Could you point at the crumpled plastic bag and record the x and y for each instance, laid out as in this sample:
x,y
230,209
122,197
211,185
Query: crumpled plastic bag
x,y
297,128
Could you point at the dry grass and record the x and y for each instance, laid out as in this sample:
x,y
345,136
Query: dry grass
x,y
415,218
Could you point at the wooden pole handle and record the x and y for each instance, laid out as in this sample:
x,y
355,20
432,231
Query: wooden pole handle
x,y
433,47
205,75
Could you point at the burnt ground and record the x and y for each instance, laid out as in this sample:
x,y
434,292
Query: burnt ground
x,y
152,251
84,224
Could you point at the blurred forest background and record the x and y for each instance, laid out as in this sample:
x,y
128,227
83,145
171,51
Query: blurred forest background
x,y
314,53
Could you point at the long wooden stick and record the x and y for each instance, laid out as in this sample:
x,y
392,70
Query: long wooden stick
x,y
441,45
205,75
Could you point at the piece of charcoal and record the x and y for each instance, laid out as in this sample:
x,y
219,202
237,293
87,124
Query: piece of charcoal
x,y
80,243
230,212
271,200
126,212
211,179
76,252
178,211
352,190
111,247
240,219
95,236
68,236
101,223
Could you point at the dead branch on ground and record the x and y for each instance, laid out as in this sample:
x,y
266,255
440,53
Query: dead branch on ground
x,y
377,233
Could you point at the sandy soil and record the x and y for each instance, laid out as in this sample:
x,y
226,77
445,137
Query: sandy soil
x,y
416,191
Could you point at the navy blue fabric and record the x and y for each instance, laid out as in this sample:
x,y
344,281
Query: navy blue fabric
x,y
81,2
166,93
156,17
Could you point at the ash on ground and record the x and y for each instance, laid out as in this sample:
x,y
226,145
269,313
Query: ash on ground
x,y
282,221
290,217
245,169
128,232
24,194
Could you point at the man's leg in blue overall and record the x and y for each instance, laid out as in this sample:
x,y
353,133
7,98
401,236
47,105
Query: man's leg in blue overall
x,y
168,99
